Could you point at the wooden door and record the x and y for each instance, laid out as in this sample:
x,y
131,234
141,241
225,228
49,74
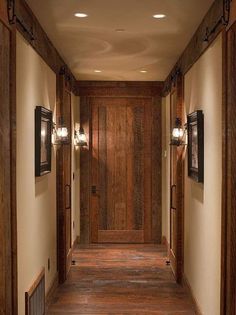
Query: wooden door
x,y
121,170
173,187
64,185
176,186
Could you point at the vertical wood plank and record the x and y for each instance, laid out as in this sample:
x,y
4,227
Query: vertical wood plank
x,y
102,164
85,120
111,122
5,178
130,214
120,168
156,170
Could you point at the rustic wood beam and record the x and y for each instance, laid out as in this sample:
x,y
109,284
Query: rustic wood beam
x,y
28,25
118,88
213,23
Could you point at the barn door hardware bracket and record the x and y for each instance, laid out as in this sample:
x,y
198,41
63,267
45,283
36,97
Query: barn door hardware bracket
x,y
14,19
222,21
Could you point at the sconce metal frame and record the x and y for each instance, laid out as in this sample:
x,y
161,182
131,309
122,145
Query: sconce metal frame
x,y
180,140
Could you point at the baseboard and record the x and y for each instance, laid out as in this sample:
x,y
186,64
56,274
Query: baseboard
x,y
76,242
52,289
188,287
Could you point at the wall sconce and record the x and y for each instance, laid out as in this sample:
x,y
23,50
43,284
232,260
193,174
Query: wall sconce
x,y
80,137
60,134
178,134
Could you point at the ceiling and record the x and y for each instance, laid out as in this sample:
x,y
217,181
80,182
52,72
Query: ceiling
x,y
92,43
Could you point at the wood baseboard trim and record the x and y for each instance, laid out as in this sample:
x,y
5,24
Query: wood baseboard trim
x,y
52,289
186,284
76,242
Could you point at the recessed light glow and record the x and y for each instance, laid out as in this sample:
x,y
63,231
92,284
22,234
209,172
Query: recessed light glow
x,y
81,15
120,30
159,16
143,71
97,71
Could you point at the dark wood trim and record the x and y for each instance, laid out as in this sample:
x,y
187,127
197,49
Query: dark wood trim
x,y
178,259
10,237
13,174
187,286
228,271
119,89
197,45
25,19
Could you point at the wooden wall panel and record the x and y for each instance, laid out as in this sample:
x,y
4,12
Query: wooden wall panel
x,y
85,189
88,92
215,20
156,170
8,276
228,305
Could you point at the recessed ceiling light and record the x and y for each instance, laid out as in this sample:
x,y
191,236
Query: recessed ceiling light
x,y
159,16
81,15
119,30
98,71
143,71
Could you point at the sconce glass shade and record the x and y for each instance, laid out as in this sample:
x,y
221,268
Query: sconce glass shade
x,y
80,138
60,133
178,133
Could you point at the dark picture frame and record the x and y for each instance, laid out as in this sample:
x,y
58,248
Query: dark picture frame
x,y
195,126
43,140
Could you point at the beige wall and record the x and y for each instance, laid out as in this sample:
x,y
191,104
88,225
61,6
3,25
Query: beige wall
x,y
202,250
36,197
166,168
75,105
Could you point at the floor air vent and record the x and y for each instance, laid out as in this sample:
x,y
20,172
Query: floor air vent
x,y
35,297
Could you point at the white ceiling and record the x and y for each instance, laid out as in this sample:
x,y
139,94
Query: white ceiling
x,y
91,43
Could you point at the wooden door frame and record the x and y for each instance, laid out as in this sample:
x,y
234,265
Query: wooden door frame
x,y
90,89
63,86
228,248
10,237
178,87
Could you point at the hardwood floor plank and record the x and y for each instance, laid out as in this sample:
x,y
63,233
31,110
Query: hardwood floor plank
x,y
121,279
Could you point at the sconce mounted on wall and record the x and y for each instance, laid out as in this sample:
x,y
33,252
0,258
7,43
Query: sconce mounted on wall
x,y
80,138
178,134
60,134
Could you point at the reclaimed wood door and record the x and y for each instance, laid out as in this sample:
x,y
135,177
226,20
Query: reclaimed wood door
x,y
176,186
64,185
173,187
121,170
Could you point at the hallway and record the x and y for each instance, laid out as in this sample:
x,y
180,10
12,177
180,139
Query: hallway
x,y
120,279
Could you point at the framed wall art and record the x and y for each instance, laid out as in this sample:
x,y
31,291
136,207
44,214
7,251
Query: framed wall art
x,y
43,140
195,122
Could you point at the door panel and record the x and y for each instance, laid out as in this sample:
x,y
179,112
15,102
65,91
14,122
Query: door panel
x,y
64,187
121,162
176,184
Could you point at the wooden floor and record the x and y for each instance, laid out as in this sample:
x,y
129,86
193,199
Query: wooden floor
x,y
121,279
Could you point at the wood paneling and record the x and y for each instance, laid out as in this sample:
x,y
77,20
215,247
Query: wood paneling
x,y
177,186
64,182
118,90
228,305
197,45
126,280
8,235
41,43
122,168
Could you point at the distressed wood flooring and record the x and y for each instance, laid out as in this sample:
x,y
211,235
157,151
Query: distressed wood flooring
x,y
120,280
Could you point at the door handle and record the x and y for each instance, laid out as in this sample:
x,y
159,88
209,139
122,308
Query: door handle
x,y
171,196
68,190
94,189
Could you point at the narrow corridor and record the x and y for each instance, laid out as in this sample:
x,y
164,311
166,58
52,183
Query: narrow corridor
x,y
121,279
